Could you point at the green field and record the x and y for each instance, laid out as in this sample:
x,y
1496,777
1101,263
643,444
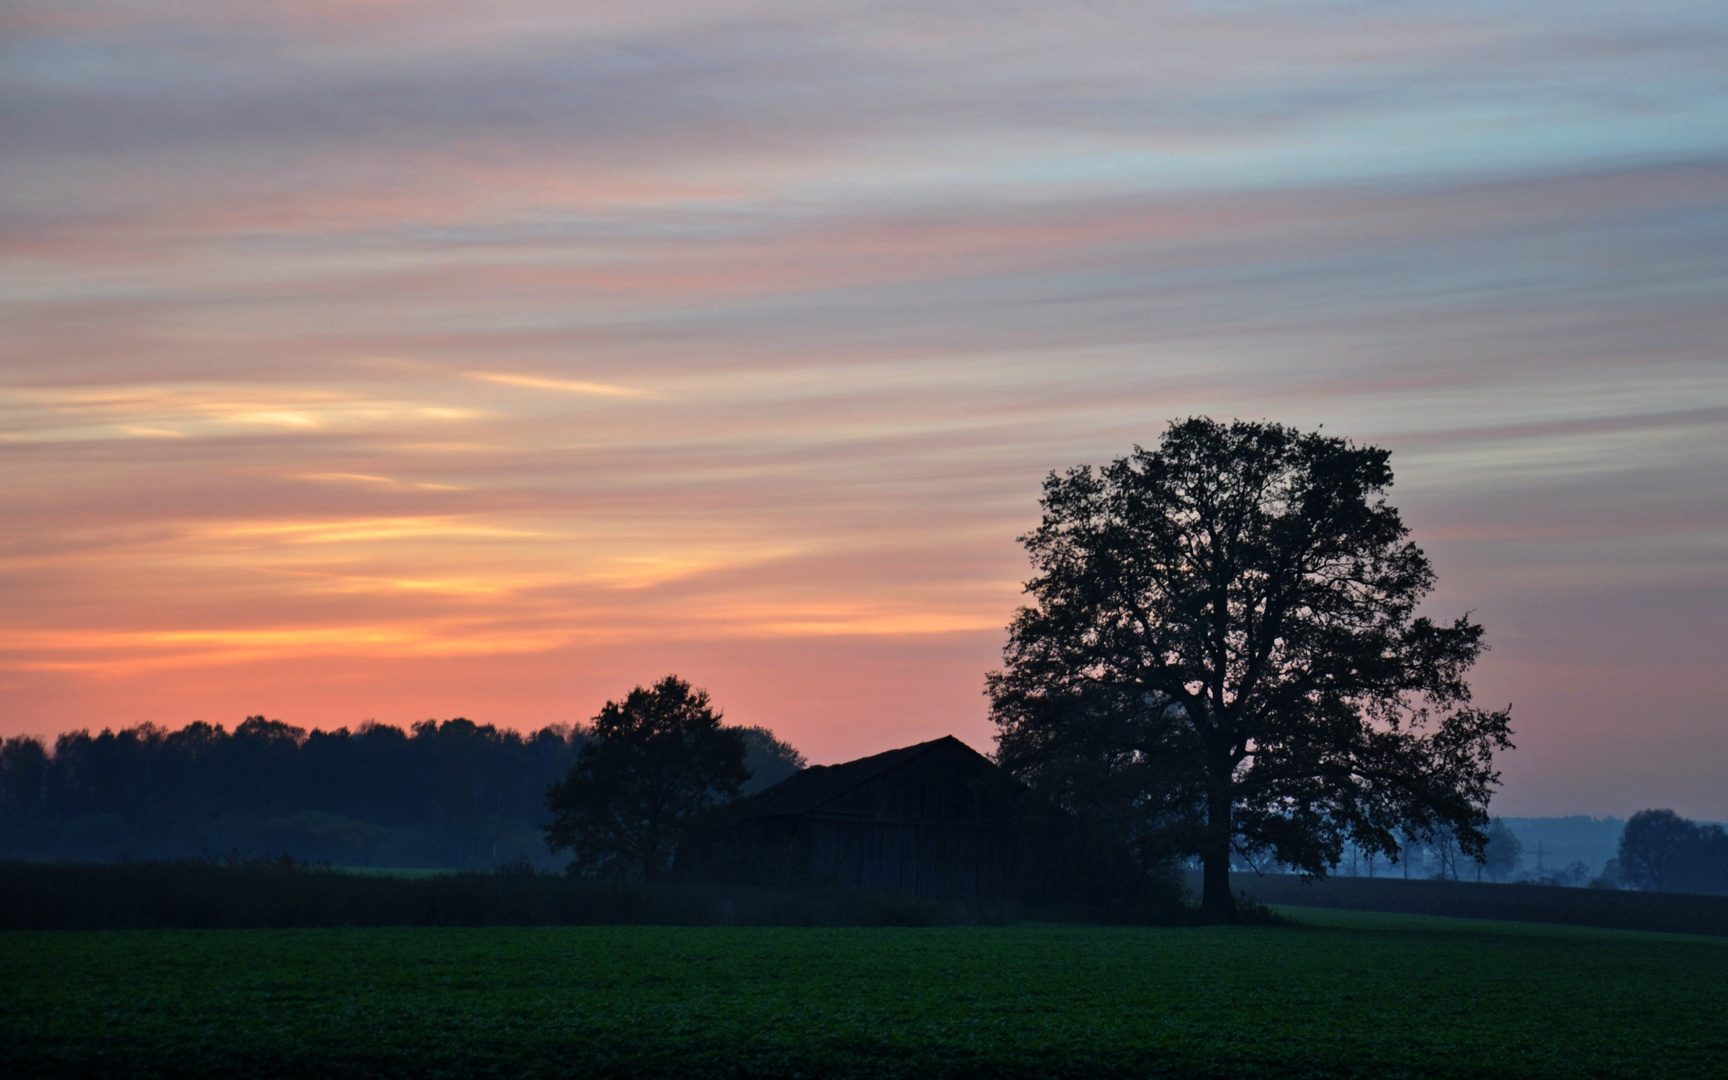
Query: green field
x,y
1341,994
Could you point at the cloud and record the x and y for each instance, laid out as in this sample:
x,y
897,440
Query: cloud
x,y
383,481
563,386
735,339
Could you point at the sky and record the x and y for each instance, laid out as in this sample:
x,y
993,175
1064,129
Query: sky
x,y
389,360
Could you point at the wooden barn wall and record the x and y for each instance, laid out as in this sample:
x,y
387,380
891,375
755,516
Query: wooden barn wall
x,y
945,824
939,826
946,859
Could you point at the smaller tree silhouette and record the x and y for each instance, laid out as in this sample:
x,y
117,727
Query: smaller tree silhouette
x,y
1503,853
653,762
768,759
1659,849
1654,847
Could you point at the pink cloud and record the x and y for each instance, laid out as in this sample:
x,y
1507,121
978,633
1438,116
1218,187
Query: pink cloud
x,y
411,359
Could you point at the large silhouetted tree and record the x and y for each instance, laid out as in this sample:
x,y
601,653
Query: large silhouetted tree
x,y
1223,641
653,762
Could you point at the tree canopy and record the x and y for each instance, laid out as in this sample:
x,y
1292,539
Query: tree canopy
x,y
1503,852
1222,653
1659,849
451,794
653,763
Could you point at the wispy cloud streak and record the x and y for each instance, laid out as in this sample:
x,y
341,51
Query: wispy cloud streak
x,y
395,359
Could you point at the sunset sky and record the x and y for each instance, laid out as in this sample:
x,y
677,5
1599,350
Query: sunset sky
x,y
392,360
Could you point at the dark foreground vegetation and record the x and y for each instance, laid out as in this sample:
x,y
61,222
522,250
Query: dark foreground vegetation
x,y
283,893
1348,995
43,896
1679,913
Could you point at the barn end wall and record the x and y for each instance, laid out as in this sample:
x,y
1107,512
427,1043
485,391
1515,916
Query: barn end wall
x,y
936,860
946,823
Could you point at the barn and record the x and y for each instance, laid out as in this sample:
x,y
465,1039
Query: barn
x,y
937,819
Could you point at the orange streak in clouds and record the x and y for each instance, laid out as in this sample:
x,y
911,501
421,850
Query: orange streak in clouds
x,y
566,386
172,649
424,358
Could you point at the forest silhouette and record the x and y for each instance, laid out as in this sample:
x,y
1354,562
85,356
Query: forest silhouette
x,y
451,794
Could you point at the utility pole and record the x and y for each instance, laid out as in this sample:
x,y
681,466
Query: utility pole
x,y
1539,854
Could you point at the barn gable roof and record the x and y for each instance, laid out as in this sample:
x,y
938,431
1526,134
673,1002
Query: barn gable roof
x,y
810,788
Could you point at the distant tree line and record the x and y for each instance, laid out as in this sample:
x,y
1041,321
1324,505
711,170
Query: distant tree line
x,y
1663,851
1659,851
1437,857
450,794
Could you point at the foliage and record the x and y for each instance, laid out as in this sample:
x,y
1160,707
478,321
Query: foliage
x,y
1662,850
455,793
767,759
1442,856
1346,996
653,763
451,794
1223,646
278,892
1503,852
250,892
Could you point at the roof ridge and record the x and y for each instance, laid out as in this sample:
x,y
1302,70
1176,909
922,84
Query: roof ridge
x,y
862,771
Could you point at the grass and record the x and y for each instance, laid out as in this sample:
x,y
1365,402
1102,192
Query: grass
x,y
1342,994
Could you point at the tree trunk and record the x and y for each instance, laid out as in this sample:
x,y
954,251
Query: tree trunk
x,y
1216,902
651,851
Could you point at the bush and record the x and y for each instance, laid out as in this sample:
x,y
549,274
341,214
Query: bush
x,y
287,893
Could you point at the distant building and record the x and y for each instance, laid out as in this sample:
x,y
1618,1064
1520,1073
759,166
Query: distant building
x,y
936,819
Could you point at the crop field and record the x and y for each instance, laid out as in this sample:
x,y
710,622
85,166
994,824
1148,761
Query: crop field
x,y
1339,994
